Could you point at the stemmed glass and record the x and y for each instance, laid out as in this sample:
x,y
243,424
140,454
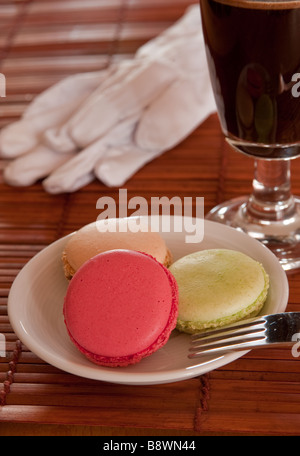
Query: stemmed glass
x,y
253,54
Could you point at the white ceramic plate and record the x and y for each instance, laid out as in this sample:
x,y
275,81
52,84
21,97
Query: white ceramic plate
x,y
36,301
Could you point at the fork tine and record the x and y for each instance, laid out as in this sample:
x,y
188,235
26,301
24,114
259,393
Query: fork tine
x,y
236,335
228,345
234,326
231,331
224,342
266,331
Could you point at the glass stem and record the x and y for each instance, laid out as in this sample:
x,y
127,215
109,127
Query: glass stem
x,y
271,198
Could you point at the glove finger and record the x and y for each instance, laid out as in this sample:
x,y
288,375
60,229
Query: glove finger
x,y
173,116
29,168
77,86
70,175
121,163
80,182
17,139
58,138
20,137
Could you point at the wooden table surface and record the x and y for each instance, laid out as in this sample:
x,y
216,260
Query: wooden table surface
x,y
41,42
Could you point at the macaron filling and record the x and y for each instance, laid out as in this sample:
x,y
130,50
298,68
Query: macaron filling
x,y
121,306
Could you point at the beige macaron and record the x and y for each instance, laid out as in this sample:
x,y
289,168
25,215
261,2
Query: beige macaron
x,y
111,234
218,287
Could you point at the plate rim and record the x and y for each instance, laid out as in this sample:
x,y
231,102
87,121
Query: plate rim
x,y
125,377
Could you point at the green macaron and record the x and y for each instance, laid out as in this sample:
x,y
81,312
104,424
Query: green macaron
x,y
218,287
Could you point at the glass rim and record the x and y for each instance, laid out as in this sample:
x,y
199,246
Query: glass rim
x,y
262,4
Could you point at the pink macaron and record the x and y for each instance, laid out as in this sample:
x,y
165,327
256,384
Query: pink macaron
x,y
120,307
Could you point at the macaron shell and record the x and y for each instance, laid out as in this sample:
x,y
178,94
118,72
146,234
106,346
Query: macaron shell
x,y
92,239
121,306
218,287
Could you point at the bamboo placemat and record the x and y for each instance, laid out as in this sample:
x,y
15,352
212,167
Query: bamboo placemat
x,y
40,43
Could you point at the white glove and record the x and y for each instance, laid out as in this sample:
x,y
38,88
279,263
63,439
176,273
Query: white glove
x,y
121,119
49,109
141,83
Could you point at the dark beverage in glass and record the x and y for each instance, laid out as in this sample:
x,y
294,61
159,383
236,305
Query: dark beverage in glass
x,y
253,53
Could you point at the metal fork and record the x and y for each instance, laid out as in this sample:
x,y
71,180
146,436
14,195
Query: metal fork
x,y
280,329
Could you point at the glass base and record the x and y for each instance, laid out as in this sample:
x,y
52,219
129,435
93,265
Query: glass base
x,y
281,237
